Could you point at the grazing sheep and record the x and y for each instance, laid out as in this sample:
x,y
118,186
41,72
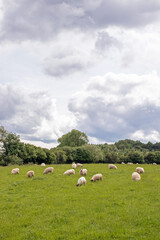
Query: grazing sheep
x,y
96,177
129,163
154,163
83,172
69,172
73,165
139,170
30,173
47,170
112,166
122,163
15,171
43,164
136,176
81,181
79,165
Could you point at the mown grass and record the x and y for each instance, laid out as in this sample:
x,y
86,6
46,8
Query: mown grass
x,y
52,207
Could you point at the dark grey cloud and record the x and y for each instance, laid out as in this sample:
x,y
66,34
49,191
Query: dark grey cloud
x,y
39,20
125,13
66,64
42,20
114,107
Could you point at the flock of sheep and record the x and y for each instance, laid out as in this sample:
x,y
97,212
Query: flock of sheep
x,y
31,172
83,172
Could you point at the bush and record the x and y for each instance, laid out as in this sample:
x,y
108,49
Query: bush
x,y
13,160
111,157
2,163
135,157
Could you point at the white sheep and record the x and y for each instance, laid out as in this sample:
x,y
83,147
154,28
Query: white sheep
x,y
122,163
74,165
154,163
83,172
79,165
136,176
81,181
96,177
43,164
15,171
47,170
112,166
129,163
30,173
69,172
139,170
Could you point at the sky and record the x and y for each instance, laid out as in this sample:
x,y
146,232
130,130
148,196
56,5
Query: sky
x,y
86,65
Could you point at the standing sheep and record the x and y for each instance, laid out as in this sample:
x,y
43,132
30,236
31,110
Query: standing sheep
x,y
47,170
136,176
83,172
81,181
154,163
69,172
112,166
139,170
73,165
43,164
15,171
30,173
79,165
96,177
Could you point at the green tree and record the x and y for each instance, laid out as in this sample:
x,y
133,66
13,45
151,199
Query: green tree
x,y
41,155
9,147
74,138
70,153
111,157
157,157
31,153
135,157
83,155
13,159
51,157
11,144
149,157
60,157
95,153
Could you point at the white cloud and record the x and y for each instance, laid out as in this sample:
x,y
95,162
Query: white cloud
x,y
58,45
114,106
41,20
144,136
41,144
93,140
1,11
32,114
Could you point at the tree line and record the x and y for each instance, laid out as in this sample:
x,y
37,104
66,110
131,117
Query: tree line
x,y
74,146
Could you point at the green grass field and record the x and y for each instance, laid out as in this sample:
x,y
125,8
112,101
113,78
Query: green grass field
x,y
52,207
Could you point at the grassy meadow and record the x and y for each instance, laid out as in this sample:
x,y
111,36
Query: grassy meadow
x,y
52,207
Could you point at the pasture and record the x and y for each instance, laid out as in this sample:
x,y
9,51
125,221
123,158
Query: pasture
x,y
51,206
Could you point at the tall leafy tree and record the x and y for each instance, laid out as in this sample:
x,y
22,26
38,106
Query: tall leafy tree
x,y
9,142
74,138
